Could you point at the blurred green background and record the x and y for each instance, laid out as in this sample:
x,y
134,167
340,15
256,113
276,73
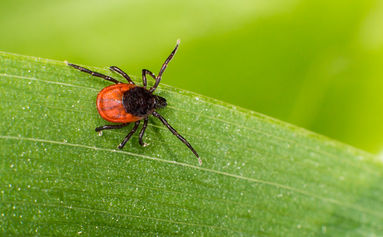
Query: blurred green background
x,y
314,63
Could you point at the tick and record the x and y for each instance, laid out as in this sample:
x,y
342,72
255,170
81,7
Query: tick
x,y
127,103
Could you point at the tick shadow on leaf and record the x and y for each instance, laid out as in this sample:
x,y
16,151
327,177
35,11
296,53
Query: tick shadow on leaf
x,y
157,137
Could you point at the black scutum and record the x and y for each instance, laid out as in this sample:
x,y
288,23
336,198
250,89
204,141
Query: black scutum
x,y
138,101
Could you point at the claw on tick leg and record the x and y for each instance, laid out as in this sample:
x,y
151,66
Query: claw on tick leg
x,y
199,161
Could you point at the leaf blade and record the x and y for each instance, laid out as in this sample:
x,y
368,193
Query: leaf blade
x,y
259,176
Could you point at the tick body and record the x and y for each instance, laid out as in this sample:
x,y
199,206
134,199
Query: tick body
x,y
126,103
110,104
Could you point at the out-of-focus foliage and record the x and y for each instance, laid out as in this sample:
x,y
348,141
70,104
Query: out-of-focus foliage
x,y
314,63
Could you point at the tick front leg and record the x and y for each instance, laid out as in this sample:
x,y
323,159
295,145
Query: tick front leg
x,y
122,73
96,74
126,139
142,132
98,129
158,78
147,72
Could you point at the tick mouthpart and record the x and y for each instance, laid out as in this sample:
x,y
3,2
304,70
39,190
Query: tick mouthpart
x,y
160,102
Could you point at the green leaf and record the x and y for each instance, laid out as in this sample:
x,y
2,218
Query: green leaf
x,y
259,176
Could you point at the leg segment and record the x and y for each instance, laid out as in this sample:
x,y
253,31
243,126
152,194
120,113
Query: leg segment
x,y
142,132
98,129
122,73
96,74
144,73
177,135
126,139
164,67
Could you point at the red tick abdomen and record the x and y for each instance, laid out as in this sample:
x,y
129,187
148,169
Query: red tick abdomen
x,y
110,107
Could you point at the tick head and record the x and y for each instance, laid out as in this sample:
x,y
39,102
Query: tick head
x,y
160,102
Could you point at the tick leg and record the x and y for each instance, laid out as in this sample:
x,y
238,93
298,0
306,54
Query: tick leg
x,y
177,135
158,79
122,73
96,74
126,139
144,73
142,132
98,129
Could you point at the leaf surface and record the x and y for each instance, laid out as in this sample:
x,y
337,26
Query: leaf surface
x,y
259,176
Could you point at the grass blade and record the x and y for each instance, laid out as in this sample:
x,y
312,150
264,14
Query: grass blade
x,y
260,176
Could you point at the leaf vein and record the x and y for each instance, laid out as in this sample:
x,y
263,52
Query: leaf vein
x,y
249,179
